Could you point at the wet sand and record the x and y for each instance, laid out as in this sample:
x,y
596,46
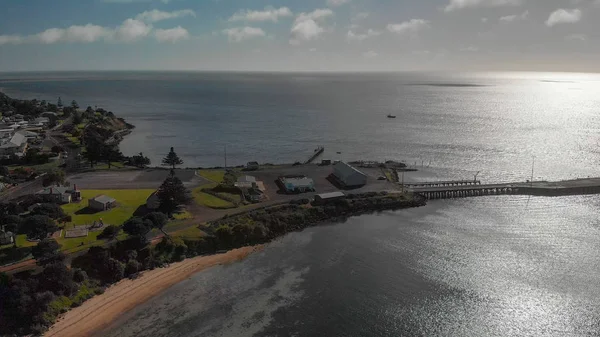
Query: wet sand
x,y
100,311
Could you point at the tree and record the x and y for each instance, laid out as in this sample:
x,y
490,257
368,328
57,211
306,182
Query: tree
x,y
69,111
77,118
137,226
172,159
38,226
171,194
5,172
58,279
74,104
57,149
111,154
89,110
158,220
115,270
50,210
110,232
59,103
140,161
46,252
54,177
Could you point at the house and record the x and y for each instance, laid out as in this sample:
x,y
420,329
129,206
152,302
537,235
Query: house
x,y
60,194
252,166
16,145
321,199
348,176
102,203
48,114
245,182
296,184
42,120
28,134
6,238
153,202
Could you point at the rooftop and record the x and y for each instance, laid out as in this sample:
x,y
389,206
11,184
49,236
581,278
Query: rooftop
x,y
54,190
104,199
246,179
297,181
331,195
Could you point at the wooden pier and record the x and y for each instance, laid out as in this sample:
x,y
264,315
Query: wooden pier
x,y
443,183
318,151
446,190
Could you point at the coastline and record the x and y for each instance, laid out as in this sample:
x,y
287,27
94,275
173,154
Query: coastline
x,y
97,313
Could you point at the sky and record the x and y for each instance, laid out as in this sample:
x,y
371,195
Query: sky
x,y
300,35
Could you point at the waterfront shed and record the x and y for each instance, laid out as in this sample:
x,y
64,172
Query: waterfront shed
x,y
297,184
102,203
349,176
324,198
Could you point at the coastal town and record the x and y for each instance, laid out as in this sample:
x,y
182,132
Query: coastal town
x,y
68,197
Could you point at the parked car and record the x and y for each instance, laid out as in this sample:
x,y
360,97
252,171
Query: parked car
x,y
381,178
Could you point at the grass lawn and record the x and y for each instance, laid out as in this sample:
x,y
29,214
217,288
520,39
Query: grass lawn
x,y
209,200
213,175
22,241
189,233
182,216
113,165
49,166
128,202
232,196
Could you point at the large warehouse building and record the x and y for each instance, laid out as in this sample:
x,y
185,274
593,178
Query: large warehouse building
x,y
349,176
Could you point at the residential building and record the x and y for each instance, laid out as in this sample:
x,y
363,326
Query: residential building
x,y
245,182
6,238
348,176
60,194
252,166
16,145
297,184
28,134
42,120
102,203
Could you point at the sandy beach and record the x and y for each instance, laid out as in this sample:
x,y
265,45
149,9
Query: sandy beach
x,y
98,312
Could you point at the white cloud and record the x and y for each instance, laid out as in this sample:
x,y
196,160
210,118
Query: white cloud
x,y
361,16
12,39
563,16
405,27
307,26
243,33
156,15
171,35
471,49
370,54
335,3
132,30
351,36
484,20
312,50
268,14
515,17
86,34
576,37
460,4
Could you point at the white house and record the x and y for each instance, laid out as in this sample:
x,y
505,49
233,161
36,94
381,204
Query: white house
x,y
16,145
348,175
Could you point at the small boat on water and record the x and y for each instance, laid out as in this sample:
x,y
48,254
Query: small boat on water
x,y
391,116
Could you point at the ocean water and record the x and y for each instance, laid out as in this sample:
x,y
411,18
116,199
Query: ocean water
x,y
494,266
489,266
458,124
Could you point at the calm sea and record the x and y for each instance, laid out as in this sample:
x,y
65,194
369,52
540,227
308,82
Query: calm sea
x,y
493,266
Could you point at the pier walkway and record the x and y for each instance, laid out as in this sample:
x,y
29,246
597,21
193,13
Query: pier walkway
x,y
538,188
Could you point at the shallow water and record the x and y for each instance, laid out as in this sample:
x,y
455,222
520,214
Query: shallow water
x,y
493,266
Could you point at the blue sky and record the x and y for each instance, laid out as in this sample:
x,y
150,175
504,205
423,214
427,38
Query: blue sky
x,y
310,35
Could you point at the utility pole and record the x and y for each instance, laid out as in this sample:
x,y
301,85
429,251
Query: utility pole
x,y
402,181
475,177
532,165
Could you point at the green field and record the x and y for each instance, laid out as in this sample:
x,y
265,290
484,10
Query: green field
x,y
208,200
213,175
189,233
128,202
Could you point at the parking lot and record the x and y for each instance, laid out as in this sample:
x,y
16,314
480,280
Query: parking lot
x,y
132,179
319,175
